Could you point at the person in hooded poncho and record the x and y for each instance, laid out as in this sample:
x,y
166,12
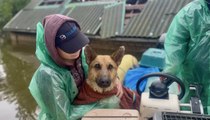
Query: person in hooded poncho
x,y
60,50
187,49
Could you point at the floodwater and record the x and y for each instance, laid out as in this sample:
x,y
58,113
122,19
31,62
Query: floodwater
x,y
17,65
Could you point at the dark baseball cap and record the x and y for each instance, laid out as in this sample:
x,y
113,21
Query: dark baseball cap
x,y
69,38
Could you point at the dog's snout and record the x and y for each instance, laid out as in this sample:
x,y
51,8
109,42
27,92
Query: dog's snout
x,y
103,82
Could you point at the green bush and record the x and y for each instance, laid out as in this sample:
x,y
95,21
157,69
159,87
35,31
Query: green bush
x,y
8,8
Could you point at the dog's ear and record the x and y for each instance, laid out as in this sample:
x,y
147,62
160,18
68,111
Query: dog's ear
x,y
90,54
118,55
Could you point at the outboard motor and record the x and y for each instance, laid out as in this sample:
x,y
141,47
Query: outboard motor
x,y
158,98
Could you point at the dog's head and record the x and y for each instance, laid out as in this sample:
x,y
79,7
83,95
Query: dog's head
x,y
102,73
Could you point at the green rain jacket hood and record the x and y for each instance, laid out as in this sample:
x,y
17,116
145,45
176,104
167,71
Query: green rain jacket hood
x,y
52,86
187,47
51,24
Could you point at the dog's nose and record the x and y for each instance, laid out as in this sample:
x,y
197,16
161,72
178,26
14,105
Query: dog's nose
x,y
103,83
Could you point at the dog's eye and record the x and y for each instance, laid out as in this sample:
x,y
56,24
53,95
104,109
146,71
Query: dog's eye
x,y
97,66
110,66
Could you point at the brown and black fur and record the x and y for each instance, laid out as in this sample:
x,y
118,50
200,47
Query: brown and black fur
x,y
102,74
102,80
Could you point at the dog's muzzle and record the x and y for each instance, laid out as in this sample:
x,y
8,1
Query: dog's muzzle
x,y
103,82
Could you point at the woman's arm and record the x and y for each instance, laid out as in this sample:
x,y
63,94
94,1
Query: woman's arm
x,y
176,43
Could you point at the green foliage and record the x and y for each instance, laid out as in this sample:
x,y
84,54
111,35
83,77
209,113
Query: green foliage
x,y
8,8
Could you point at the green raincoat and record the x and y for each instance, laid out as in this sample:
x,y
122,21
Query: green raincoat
x,y
187,47
54,89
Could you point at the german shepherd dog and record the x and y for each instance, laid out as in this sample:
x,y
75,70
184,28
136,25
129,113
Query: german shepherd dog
x,y
102,74
102,79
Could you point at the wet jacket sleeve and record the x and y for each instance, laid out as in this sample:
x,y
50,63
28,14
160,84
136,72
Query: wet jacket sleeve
x,y
54,97
176,43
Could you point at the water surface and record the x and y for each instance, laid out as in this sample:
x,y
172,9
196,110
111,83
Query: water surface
x,y
17,65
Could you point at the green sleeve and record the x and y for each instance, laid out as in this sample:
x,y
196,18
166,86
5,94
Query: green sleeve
x,y
176,43
57,105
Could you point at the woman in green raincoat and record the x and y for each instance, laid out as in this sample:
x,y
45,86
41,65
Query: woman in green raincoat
x,y
187,47
54,85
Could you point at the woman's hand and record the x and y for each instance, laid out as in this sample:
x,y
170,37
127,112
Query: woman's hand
x,y
119,88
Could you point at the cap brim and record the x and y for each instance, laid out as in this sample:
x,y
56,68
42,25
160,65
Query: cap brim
x,y
75,44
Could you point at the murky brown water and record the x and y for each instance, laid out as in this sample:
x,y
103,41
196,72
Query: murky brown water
x,y
17,65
